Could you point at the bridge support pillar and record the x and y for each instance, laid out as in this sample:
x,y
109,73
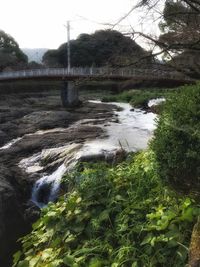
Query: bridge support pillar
x,y
69,95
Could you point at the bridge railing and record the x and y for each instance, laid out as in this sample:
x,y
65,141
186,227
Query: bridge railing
x,y
106,71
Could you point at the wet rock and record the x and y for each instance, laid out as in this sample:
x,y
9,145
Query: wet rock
x,y
3,137
116,121
112,157
43,193
12,222
32,212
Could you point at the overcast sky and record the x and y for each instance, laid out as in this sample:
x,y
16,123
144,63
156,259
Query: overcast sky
x,y
40,23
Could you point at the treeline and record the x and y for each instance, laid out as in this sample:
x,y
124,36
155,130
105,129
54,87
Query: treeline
x,y
10,53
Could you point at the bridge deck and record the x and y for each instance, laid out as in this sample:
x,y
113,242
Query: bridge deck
x,y
91,73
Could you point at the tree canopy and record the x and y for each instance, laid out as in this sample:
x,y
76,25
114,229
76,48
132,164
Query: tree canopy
x,y
181,34
180,37
104,47
10,53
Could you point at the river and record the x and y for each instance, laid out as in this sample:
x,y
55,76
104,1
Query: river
x,y
129,131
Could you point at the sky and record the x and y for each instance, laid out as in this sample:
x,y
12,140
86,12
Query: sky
x,y
41,23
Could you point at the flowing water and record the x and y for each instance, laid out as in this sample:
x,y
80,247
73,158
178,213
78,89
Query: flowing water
x,y
40,132
131,132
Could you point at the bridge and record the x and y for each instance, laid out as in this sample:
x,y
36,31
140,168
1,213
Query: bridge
x,y
69,92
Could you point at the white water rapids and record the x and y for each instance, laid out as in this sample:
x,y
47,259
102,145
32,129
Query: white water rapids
x,y
132,133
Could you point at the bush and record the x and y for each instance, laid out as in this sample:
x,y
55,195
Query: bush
x,y
177,138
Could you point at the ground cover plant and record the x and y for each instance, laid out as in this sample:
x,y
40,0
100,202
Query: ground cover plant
x,y
113,216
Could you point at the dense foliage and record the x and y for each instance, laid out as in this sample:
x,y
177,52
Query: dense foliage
x,y
112,216
98,49
10,53
177,139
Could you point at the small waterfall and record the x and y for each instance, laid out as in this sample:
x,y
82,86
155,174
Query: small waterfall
x,y
46,188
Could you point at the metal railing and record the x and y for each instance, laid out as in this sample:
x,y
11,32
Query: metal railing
x,y
92,72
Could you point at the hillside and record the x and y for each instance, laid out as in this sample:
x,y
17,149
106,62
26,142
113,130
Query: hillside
x,y
34,54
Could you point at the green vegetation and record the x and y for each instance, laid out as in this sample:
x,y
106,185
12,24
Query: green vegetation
x,y
177,139
139,98
126,215
113,216
98,49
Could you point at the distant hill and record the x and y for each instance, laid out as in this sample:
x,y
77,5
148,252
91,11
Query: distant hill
x,y
102,48
34,54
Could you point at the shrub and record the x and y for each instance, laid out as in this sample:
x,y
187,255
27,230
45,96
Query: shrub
x,y
177,138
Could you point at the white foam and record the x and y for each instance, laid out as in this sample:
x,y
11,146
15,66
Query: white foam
x,y
155,102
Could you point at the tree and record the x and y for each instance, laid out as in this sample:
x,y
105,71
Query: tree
x,y
10,53
102,48
180,38
181,34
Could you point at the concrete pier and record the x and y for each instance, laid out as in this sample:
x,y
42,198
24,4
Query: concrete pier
x,y
69,94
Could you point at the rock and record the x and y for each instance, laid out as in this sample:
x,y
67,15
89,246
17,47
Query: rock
x,y
194,249
113,157
32,212
44,192
12,222
116,121
3,137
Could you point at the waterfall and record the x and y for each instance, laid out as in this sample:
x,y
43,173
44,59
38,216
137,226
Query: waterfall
x,y
46,188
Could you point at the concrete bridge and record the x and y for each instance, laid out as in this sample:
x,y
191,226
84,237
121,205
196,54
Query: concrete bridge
x,y
69,92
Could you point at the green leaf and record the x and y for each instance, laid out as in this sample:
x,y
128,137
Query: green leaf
x,y
69,260
16,257
24,263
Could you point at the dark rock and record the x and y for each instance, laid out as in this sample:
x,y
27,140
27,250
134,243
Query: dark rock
x,y
116,121
3,137
43,193
12,223
32,212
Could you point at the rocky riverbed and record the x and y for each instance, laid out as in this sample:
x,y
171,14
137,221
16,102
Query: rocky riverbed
x,y
23,116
